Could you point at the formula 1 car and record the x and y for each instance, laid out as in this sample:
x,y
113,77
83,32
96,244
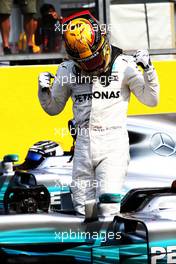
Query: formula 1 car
x,y
152,141
144,231
152,149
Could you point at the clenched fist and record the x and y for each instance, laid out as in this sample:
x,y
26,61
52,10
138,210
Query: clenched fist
x,y
142,58
45,79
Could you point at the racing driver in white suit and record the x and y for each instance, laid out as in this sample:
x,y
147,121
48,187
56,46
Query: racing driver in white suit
x,y
99,78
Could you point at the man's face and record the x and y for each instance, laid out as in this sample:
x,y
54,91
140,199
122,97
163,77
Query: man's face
x,y
53,13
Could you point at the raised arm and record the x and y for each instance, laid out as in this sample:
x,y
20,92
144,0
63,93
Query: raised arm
x,y
53,97
144,86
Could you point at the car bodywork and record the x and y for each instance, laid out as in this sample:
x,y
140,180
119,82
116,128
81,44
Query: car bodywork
x,y
152,141
144,232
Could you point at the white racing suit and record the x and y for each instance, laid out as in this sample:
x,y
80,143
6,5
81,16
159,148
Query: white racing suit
x,y
102,147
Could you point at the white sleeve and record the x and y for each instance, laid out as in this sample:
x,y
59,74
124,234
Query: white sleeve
x,y
53,100
144,86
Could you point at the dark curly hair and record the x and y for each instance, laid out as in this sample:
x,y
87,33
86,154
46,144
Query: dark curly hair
x,y
46,8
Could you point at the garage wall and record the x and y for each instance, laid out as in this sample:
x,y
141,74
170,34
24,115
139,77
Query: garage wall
x,y
23,122
129,26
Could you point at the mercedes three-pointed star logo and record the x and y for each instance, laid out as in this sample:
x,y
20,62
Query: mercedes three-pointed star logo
x,y
163,144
